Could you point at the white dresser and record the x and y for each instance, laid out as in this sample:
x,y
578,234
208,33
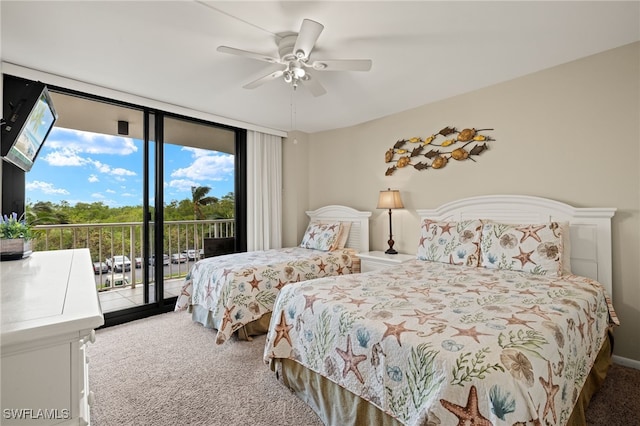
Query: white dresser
x,y
49,310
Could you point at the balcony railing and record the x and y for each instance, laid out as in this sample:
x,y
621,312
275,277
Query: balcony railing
x,y
105,241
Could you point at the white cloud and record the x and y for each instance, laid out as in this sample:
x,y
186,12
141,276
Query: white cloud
x,y
65,157
182,184
45,187
90,143
97,195
107,169
110,191
93,178
214,167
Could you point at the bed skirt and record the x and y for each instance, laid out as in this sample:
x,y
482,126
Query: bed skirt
x,y
254,328
337,406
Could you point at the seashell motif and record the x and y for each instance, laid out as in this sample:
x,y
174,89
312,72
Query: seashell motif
x,y
439,162
459,154
448,142
466,135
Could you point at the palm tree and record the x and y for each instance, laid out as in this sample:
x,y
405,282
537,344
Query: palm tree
x,y
199,199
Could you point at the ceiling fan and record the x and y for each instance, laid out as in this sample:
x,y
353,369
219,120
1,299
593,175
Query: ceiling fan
x,y
294,50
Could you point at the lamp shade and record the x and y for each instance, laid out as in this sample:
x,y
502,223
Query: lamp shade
x,y
390,199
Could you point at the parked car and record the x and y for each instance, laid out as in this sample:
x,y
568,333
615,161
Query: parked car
x,y
118,280
165,259
100,267
192,254
179,258
119,263
138,261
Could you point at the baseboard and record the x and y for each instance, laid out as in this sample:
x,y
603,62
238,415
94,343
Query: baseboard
x,y
626,362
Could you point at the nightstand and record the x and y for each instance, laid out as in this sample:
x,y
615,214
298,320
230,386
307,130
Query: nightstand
x,y
373,260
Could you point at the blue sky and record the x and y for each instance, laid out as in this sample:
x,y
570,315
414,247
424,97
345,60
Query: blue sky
x,y
77,166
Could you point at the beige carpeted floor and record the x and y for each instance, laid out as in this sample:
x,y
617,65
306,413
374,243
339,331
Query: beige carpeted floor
x,y
167,370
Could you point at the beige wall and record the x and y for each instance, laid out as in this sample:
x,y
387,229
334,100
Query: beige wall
x,y
570,133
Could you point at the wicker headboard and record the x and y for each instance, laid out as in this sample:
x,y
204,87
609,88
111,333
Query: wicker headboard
x,y
359,232
590,228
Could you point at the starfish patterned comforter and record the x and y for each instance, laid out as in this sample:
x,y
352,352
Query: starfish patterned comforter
x,y
434,343
241,287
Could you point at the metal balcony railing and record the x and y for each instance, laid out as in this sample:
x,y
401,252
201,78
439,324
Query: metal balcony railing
x,y
183,243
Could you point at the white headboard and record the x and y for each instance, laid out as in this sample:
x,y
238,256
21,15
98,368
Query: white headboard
x,y
590,228
359,232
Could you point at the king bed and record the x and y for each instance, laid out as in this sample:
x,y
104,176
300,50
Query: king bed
x,y
504,317
234,293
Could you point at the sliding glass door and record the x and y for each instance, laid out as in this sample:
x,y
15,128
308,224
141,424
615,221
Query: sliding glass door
x,y
198,195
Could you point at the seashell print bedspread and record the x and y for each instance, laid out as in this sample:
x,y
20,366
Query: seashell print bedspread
x,y
434,343
241,287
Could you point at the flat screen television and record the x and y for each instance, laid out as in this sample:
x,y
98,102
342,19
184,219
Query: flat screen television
x,y
31,118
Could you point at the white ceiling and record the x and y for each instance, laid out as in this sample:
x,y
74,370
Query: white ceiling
x,y
422,51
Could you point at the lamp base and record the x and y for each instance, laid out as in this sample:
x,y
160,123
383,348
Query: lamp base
x,y
391,251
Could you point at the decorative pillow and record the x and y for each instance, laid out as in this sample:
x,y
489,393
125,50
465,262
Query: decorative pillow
x,y
534,248
566,247
457,243
320,236
343,233
343,236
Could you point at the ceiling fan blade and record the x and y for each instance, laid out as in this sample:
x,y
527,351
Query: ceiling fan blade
x,y
314,86
342,65
247,54
307,37
264,79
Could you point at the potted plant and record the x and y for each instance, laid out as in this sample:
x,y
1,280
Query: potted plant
x,y
15,237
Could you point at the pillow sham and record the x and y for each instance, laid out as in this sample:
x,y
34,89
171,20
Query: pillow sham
x,y
457,243
320,236
533,248
343,233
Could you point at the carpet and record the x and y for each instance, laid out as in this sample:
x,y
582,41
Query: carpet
x,y
167,370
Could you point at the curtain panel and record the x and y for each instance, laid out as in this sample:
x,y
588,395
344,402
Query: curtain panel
x,y
264,191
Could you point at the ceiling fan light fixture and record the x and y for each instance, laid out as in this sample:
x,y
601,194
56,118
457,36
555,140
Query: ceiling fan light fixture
x,y
319,65
298,72
300,54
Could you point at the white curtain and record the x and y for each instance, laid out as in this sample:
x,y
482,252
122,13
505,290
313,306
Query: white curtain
x,y
264,191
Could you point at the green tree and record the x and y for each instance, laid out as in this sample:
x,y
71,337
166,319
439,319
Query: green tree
x,y
200,199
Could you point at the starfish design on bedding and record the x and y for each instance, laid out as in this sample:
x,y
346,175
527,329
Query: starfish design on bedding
x,y
535,310
312,235
226,318
395,330
210,288
470,332
446,228
357,302
226,272
337,290
255,283
351,360
530,231
282,330
517,321
340,270
424,316
469,414
309,300
321,266
422,240
551,390
425,291
280,284
524,257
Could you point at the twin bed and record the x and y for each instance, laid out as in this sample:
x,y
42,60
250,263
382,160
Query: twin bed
x,y
235,293
504,317
501,321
